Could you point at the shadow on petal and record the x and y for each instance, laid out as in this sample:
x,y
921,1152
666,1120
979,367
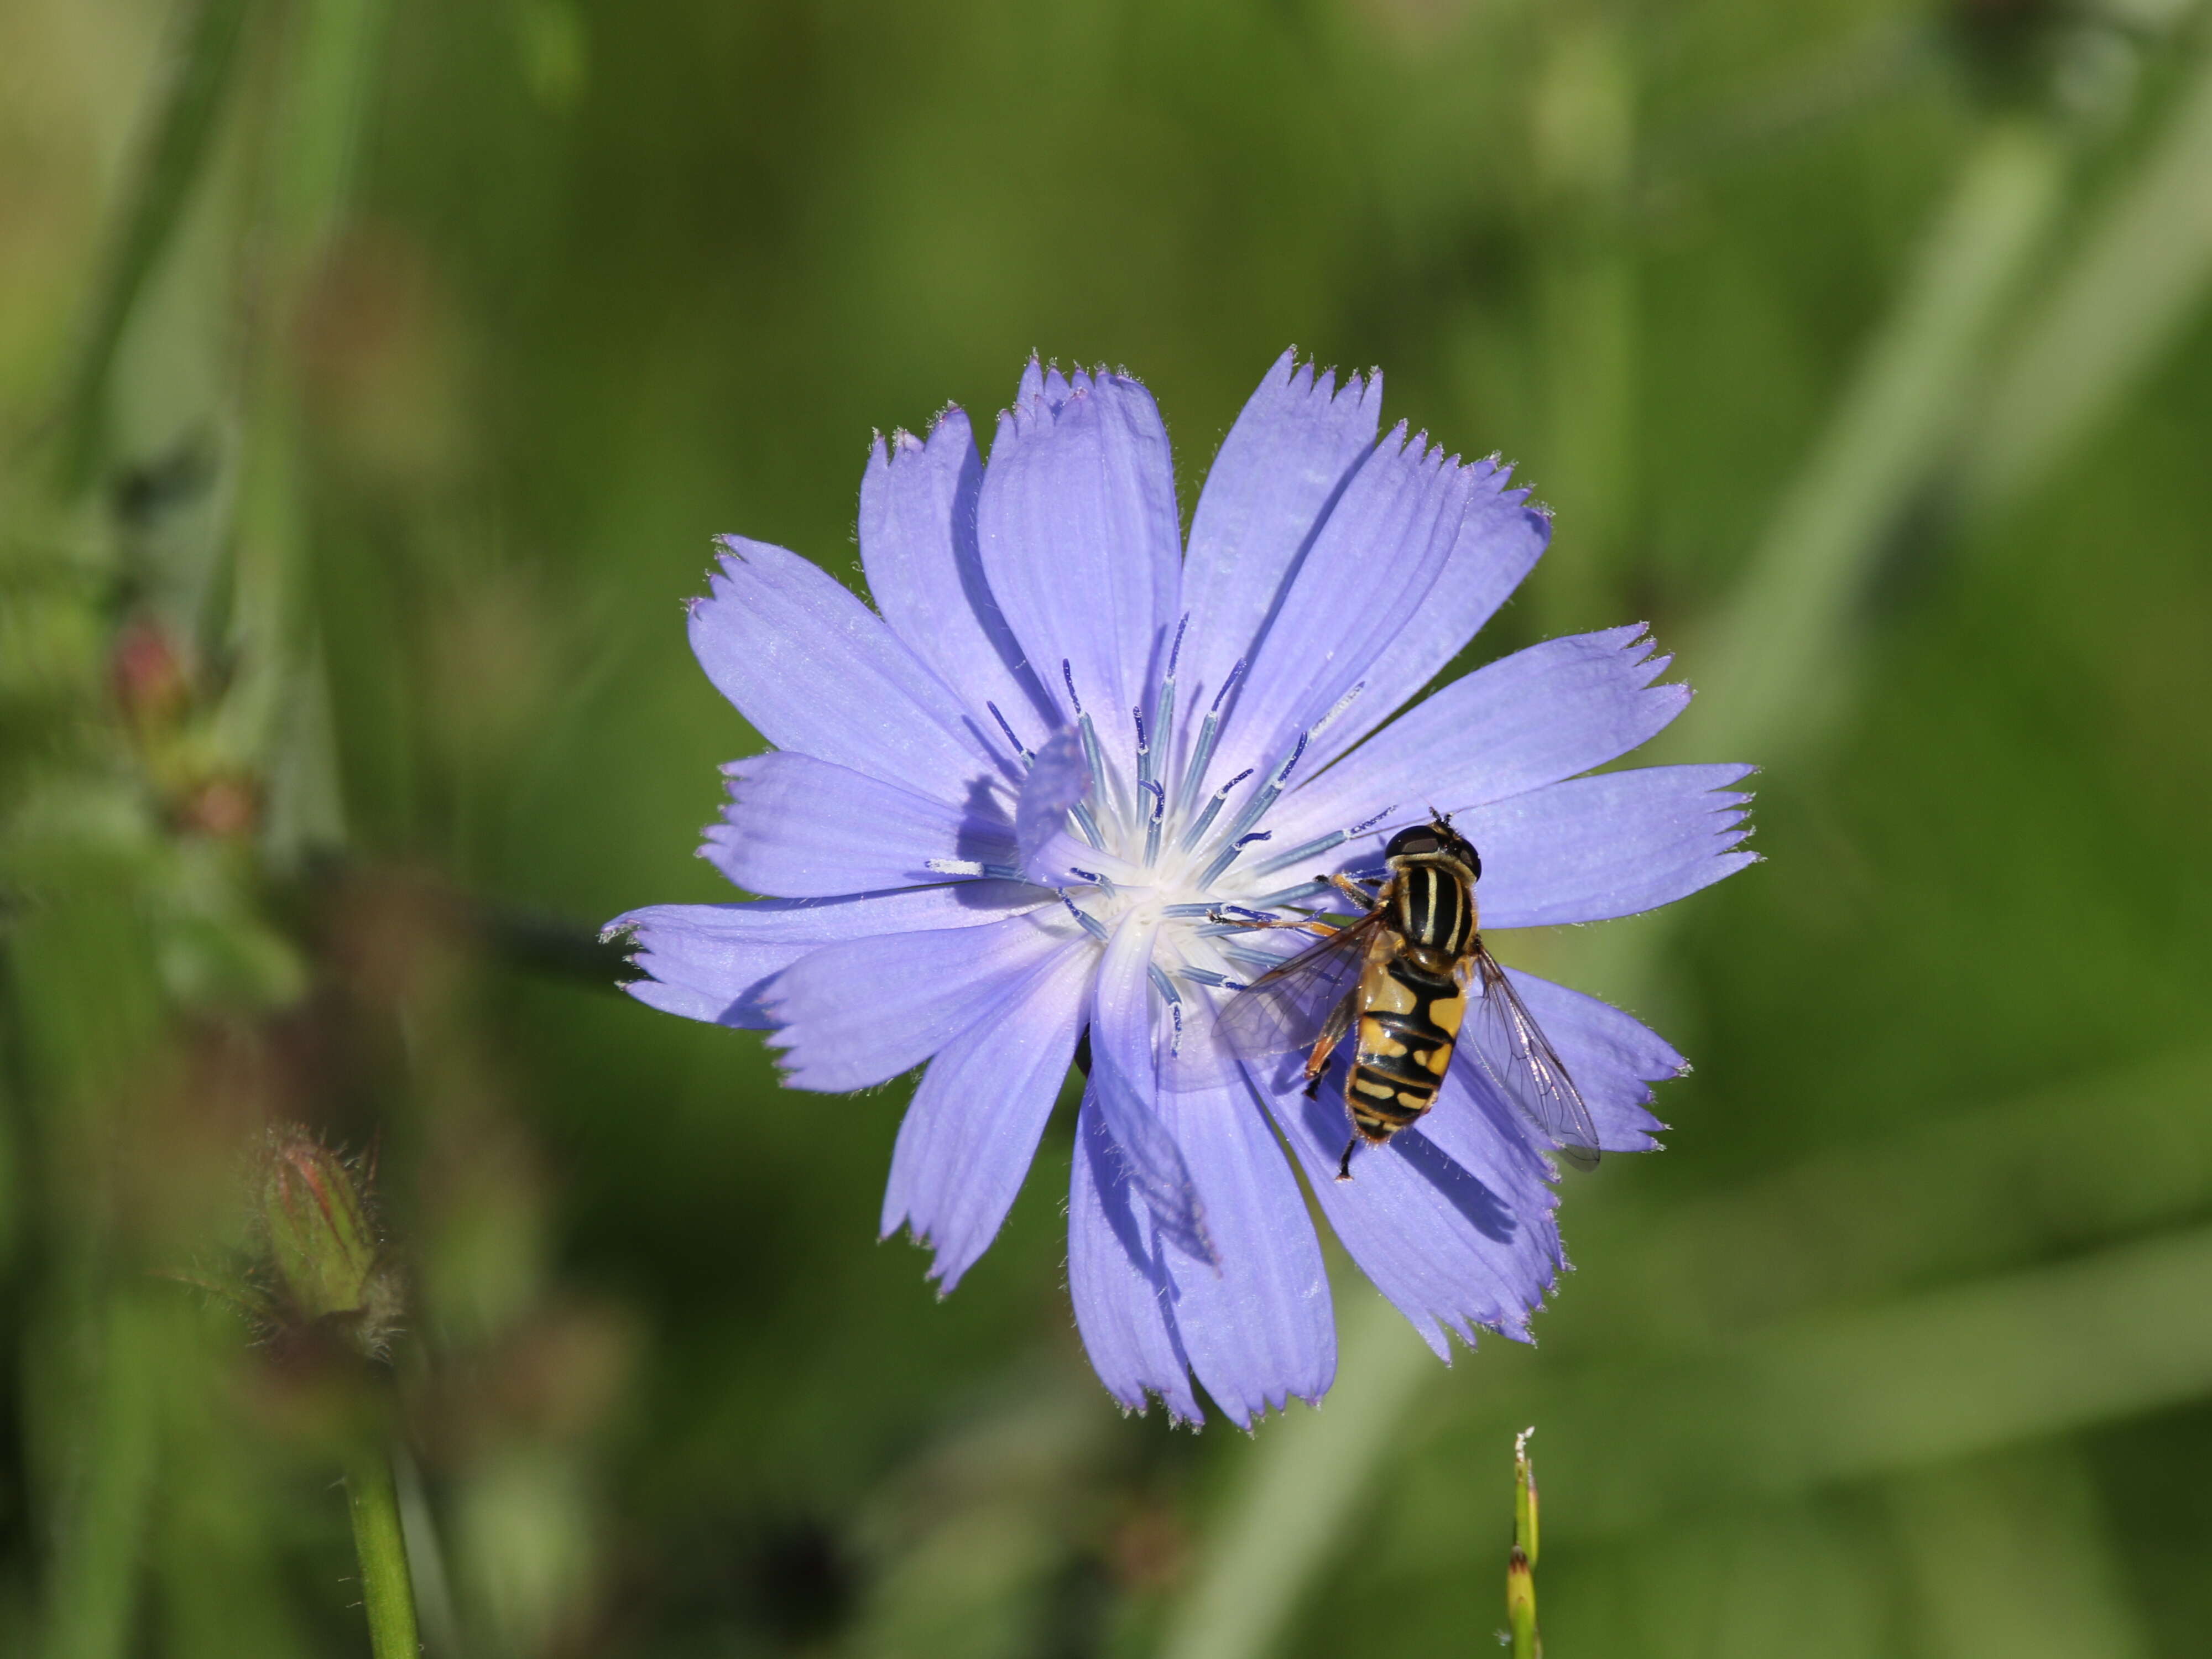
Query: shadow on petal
x,y
1485,1210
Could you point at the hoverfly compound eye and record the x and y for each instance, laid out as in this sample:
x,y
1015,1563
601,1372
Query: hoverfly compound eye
x,y
1411,843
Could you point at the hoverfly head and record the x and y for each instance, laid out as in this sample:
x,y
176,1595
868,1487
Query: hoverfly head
x,y
1435,841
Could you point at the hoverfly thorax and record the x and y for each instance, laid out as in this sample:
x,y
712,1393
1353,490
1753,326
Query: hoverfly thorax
x,y
1431,906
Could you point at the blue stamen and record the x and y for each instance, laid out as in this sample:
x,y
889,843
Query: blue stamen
x,y
1085,819
1239,910
1228,683
1283,897
1152,825
1094,759
1260,959
1163,721
1196,833
1162,983
1320,844
1087,823
1164,715
1204,976
1202,753
971,867
1254,809
1019,749
1091,925
1299,854
1336,708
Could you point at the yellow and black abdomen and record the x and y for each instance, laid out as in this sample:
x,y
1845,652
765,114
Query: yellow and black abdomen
x,y
1409,1018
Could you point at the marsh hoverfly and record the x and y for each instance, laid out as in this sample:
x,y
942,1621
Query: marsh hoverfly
x,y
1410,982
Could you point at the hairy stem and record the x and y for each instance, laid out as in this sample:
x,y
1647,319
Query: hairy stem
x,y
387,1592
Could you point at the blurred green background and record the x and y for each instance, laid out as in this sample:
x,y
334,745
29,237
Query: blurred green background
x,y
372,375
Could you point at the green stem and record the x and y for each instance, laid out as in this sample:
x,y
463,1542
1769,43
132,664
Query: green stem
x,y
96,1569
171,166
1315,1470
2138,277
1891,432
387,1592
1521,1606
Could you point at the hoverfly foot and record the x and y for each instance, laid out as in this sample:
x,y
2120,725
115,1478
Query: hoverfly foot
x,y
1344,1169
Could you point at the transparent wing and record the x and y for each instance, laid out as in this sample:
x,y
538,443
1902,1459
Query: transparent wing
x,y
1506,1041
1284,1011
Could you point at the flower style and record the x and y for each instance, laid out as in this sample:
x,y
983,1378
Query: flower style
x,y
1041,791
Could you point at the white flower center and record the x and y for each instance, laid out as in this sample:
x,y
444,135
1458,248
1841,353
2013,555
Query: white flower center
x,y
1197,862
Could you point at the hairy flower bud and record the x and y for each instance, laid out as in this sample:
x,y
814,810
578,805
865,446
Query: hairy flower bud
x,y
148,672
327,1259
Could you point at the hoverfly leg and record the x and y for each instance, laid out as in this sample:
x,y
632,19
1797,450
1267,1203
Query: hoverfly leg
x,y
1324,929
1354,890
1344,1169
1332,1031
1317,1061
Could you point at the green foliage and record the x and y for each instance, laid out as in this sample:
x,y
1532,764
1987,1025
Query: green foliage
x,y
396,361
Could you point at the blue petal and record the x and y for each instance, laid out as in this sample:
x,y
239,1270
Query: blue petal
x,y
1592,848
1125,1082
1531,719
1081,544
715,962
815,670
1500,539
800,828
1614,1059
968,1140
857,1014
1371,566
1219,1226
1257,1329
1452,1220
1262,1328
918,547
1118,1280
1278,472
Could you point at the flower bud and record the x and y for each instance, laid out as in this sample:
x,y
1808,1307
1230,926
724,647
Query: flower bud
x,y
148,676
323,1246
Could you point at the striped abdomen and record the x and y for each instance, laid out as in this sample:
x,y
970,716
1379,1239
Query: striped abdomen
x,y
1409,1018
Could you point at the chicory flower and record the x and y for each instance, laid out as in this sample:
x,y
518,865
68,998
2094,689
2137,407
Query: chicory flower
x,y
1029,796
